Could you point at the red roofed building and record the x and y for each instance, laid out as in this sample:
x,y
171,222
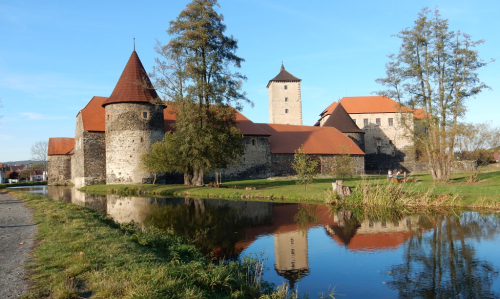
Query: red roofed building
x,y
60,151
387,127
112,133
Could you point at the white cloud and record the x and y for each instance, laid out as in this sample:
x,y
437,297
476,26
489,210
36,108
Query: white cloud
x,y
37,116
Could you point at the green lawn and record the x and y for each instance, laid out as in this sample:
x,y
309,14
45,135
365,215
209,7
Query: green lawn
x,y
81,254
486,192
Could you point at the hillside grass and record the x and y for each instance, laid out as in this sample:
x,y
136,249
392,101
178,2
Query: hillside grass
x,y
82,254
484,193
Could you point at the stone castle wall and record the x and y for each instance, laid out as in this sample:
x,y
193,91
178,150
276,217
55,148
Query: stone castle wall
x,y
285,104
358,138
129,135
282,164
253,164
89,160
59,170
385,133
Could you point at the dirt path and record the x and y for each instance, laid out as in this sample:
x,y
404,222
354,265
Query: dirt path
x,y
17,232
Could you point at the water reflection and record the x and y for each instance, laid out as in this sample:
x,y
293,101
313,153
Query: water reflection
x,y
363,252
443,263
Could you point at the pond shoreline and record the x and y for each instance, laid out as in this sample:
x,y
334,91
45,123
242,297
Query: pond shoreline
x,y
372,190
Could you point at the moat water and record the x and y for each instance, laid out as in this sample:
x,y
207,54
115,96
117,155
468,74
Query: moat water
x,y
362,253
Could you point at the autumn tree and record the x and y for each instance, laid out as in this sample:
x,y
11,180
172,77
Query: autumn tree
x,y
39,152
436,70
195,72
305,167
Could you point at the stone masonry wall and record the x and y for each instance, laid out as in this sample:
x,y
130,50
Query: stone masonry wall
x,y
128,136
254,164
358,138
88,163
285,104
59,170
281,164
94,145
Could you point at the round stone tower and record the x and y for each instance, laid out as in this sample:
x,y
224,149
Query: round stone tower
x,y
133,123
285,103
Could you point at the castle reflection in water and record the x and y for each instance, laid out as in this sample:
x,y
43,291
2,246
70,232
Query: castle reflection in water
x,y
232,226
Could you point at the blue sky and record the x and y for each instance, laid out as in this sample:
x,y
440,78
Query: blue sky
x,y
56,55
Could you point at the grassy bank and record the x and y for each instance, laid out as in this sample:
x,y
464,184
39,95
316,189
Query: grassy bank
x,y
456,192
82,254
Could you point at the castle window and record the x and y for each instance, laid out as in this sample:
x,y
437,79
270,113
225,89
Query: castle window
x,y
365,122
108,116
377,121
391,122
286,99
286,87
286,110
145,115
253,141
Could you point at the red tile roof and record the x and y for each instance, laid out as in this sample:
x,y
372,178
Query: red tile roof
x,y
93,116
375,242
60,146
17,168
372,104
246,126
418,113
134,84
284,76
340,120
286,139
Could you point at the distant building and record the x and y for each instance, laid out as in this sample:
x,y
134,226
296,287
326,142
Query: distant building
x,y
387,141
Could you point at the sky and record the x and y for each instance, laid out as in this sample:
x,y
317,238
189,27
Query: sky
x,y
56,55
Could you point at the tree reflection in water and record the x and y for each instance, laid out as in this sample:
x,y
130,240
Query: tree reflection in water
x,y
442,262
210,228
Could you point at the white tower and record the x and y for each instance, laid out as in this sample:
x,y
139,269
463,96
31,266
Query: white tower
x,y
285,103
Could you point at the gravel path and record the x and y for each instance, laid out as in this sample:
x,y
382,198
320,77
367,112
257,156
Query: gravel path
x,y
17,234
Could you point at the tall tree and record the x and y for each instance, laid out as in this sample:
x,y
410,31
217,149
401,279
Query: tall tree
x,y
435,69
197,77
39,152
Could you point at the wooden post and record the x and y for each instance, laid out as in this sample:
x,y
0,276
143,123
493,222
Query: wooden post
x,y
340,191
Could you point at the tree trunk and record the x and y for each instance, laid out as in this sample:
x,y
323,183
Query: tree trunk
x,y
198,177
188,178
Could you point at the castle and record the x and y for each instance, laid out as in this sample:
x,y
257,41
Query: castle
x,y
112,133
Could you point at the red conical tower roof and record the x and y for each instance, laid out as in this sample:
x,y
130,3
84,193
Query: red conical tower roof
x,y
134,85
